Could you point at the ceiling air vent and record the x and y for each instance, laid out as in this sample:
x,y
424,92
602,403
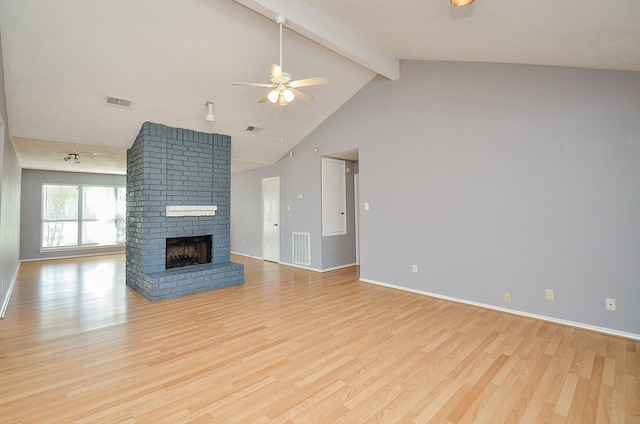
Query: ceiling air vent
x,y
252,128
118,101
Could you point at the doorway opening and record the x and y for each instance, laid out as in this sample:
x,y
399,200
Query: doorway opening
x,y
353,167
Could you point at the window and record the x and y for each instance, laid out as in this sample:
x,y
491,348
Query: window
x,y
82,215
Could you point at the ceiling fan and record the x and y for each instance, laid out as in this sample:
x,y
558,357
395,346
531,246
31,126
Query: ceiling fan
x,y
283,89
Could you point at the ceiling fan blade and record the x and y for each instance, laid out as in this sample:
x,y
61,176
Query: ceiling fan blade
x,y
300,95
307,82
263,98
276,72
253,84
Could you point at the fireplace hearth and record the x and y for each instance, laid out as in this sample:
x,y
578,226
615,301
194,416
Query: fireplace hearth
x,y
186,251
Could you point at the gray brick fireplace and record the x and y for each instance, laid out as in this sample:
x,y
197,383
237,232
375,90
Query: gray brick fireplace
x,y
178,195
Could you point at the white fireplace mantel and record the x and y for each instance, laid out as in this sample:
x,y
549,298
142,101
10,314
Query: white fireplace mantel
x,y
191,210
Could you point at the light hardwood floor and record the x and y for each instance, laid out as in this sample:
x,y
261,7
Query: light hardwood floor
x,y
293,346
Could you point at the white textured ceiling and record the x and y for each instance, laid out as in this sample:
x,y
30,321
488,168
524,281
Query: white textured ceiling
x,y
170,56
577,33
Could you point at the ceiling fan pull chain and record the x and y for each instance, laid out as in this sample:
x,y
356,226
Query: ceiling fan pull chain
x,y
275,136
279,136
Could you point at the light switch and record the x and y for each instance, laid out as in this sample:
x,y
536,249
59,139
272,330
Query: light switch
x,y
366,206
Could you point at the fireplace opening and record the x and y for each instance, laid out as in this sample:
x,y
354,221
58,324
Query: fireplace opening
x,y
185,251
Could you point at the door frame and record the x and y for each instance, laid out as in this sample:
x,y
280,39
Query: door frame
x,y
356,201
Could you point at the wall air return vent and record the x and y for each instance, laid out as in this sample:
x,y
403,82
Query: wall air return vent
x,y
301,248
118,102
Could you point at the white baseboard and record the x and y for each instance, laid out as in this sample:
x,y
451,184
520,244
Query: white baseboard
x,y
245,255
5,302
316,269
583,326
338,267
308,268
73,256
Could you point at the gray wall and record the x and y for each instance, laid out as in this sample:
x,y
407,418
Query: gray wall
x,y
9,202
495,178
30,228
246,212
300,174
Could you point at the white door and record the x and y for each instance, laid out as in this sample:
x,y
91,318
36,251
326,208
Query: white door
x,y
334,197
271,219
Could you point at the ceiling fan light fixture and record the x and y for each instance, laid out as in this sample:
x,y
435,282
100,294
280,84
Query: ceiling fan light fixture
x,y
283,89
282,101
461,2
273,95
288,95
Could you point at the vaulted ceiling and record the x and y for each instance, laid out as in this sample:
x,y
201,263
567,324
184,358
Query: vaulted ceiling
x,y
171,56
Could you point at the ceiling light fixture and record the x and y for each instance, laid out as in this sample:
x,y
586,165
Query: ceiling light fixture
x,y
288,95
461,2
283,89
282,95
209,116
273,95
74,156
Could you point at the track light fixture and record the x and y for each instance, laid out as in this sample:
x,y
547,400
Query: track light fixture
x,y
74,156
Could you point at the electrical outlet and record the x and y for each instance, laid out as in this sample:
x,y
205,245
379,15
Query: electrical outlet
x,y
507,296
610,304
415,269
548,294
244,242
